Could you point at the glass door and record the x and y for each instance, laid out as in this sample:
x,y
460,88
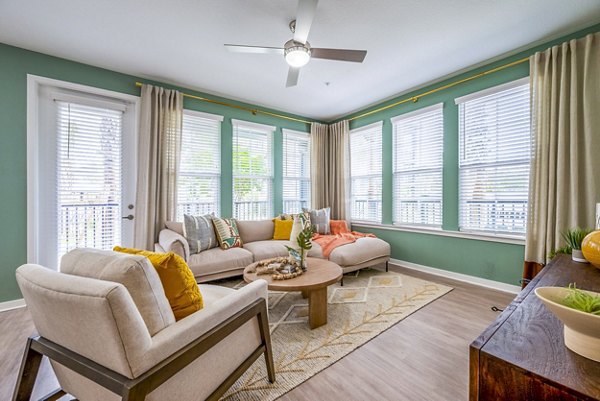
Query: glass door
x,y
87,184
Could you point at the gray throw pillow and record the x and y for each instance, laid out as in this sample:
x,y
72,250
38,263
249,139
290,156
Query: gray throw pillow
x,y
199,232
319,219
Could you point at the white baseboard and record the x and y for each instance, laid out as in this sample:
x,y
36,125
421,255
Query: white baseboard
x,y
483,282
14,304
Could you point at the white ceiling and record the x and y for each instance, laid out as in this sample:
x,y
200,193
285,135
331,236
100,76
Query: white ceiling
x,y
409,42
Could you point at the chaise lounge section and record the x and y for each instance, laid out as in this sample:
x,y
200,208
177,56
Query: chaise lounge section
x,y
258,244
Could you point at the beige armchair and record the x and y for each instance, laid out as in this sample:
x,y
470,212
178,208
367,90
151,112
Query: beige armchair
x,y
106,326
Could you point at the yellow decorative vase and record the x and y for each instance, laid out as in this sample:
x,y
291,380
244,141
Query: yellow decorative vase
x,y
591,248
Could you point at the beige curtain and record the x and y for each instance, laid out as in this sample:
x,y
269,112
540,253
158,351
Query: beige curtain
x,y
565,167
159,148
329,170
319,151
339,148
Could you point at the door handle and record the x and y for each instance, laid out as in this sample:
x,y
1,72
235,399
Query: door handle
x,y
128,217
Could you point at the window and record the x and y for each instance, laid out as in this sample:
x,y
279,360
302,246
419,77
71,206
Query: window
x,y
88,193
199,181
365,173
495,152
418,143
296,171
252,170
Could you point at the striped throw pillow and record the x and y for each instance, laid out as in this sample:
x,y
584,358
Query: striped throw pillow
x,y
199,232
319,219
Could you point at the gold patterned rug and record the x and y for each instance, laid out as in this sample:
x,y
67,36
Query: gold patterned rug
x,y
370,302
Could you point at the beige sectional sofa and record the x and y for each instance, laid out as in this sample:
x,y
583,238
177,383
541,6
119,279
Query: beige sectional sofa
x,y
258,244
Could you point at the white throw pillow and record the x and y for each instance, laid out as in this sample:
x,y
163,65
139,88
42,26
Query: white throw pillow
x,y
297,228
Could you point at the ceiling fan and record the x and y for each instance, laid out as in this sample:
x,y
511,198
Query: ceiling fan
x,y
297,51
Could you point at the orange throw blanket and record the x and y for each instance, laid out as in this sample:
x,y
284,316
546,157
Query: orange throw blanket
x,y
344,236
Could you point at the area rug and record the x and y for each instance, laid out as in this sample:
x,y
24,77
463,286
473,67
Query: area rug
x,y
370,302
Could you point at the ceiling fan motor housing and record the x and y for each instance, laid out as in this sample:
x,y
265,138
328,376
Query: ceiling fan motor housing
x,y
295,53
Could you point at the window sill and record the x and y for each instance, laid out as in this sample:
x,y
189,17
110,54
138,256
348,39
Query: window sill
x,y
505,239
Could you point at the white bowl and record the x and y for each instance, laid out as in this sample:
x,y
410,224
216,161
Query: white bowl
x,y
582,330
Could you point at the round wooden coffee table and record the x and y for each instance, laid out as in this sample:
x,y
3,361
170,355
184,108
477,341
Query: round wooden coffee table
x,y
312,283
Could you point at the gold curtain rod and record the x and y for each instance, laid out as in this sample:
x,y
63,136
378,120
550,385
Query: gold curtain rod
x,y
413,99
416,98
235,106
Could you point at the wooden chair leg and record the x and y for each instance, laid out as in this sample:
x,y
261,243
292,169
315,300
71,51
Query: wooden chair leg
x,y
30,366
135,394
266,337
53,396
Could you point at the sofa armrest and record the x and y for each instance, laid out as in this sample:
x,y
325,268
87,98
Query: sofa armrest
x,y
176,336
171,241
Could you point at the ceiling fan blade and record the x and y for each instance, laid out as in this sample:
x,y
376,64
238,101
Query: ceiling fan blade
x,y
253,49
356,56
292,78
304,18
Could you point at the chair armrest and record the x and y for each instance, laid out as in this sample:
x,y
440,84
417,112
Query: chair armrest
x,y
173,338
171,241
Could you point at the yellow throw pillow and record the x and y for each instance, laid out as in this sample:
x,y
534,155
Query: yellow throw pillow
x,y
283,229
177,280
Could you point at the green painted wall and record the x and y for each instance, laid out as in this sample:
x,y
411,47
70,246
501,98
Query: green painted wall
x,y
490,260
495,261
15,64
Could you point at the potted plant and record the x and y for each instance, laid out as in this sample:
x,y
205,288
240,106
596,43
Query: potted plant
x,y
573,238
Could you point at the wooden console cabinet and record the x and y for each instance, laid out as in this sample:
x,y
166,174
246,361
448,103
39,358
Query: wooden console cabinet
x,y
522,356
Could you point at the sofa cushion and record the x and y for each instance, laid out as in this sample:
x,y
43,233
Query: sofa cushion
x,y
134,272
316,251
361,251
255,230
267,249
319,219
218,260
199,232
177,280
213,293
227,233
283,229
338,227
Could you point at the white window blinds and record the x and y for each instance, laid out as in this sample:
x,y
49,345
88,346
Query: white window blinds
x,y
252,171
495,153
366,173
418,144
199,181
88,193
296,171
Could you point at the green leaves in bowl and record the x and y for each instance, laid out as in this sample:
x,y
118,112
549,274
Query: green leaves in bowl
x,y
582,301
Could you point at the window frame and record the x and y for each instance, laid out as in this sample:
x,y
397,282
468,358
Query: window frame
x,y
516,162
376,125
219,120
269,130
304,135
439,107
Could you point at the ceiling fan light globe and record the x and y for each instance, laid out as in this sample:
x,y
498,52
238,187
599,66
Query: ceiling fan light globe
x,y
297,56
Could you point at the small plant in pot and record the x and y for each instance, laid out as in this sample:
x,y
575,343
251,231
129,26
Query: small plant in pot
x,y
573,238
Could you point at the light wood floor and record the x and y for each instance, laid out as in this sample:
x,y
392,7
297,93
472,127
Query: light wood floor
x,y
423,357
